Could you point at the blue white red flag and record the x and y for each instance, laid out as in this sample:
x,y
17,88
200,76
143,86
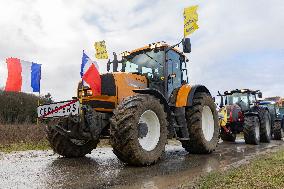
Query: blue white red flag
x,y
90,74
23,76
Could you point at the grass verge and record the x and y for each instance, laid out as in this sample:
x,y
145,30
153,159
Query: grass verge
x,y
23,146
264,172
20,137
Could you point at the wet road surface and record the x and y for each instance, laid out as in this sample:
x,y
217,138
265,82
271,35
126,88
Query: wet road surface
x,y
101,169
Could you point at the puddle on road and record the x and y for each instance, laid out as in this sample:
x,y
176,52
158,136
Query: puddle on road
x,y
101,169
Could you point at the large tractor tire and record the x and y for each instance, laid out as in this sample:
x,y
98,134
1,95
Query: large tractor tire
x,y
277,131
63,145
252,130
265,126
202,123
139,130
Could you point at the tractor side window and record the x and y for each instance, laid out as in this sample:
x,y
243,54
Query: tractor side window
x,y
252,99
271,108
174,71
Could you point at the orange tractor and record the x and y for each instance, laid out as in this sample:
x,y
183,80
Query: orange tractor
x,y
145,100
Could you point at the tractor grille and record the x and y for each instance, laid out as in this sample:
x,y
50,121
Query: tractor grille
x,y
108,85
100,104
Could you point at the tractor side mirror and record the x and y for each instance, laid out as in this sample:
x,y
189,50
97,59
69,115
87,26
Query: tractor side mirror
x,y
259,95
108,65
186,45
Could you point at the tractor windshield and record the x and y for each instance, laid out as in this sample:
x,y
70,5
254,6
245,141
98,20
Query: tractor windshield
x,y
149,63
240,99
237,97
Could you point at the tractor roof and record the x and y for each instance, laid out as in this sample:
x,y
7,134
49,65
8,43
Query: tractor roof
x,y
153,46
265,102
241,91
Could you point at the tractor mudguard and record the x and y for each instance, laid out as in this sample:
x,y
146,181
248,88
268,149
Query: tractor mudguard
x,y
156,94
185,94
256,110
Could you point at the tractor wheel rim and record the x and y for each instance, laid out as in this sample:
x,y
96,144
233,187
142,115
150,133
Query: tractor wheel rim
x,y
207,123
268,127
151,120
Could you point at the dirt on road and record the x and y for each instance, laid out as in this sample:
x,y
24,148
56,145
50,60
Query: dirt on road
x,y
101,169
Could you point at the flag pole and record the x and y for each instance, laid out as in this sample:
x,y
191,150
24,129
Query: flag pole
x,y
82,89
38,104
38,100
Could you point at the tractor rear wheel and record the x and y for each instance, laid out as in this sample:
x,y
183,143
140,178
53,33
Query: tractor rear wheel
x,y
139,130
63,145
202,124
252,130
265,126
277,131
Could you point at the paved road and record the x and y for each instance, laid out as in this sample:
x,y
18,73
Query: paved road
x,y
101,169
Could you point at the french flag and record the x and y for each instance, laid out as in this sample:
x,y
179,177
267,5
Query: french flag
x,y
90,74
23,76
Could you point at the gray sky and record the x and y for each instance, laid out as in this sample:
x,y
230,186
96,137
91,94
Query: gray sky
x,y
239,43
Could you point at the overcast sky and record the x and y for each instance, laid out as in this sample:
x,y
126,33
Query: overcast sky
x,y
240,44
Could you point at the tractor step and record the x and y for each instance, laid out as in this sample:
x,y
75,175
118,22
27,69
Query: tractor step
x,y
181,124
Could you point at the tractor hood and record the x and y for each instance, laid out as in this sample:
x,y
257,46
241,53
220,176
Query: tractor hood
x,y
125,83
121,83
114,88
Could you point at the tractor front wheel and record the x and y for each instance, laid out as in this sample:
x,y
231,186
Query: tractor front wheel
x,y
265,126
252,130
277,131
139,130
63,145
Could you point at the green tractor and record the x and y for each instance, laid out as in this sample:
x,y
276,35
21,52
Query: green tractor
x,y
276,114
240,112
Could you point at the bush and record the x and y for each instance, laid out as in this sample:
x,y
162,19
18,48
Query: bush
x,y
24,133
18,107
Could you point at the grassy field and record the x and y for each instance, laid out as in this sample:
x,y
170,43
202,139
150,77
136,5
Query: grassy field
x,y
22,137
264,172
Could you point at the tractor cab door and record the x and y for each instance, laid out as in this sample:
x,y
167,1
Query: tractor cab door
x,y
174,75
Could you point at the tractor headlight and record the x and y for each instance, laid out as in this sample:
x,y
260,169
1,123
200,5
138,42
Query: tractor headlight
x,y
89,92
85,93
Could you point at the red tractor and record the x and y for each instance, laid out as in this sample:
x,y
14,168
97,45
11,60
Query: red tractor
x,y
241,113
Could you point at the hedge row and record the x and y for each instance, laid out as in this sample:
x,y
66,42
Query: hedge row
x,y
18,107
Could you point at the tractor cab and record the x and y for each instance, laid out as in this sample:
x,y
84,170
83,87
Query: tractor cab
x,y
244,98
163,66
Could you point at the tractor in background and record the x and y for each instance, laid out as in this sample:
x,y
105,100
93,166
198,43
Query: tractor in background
x,y
240,112
276,118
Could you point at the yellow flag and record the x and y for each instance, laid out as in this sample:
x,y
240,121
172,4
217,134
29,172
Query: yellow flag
x,y
101,51
190,19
